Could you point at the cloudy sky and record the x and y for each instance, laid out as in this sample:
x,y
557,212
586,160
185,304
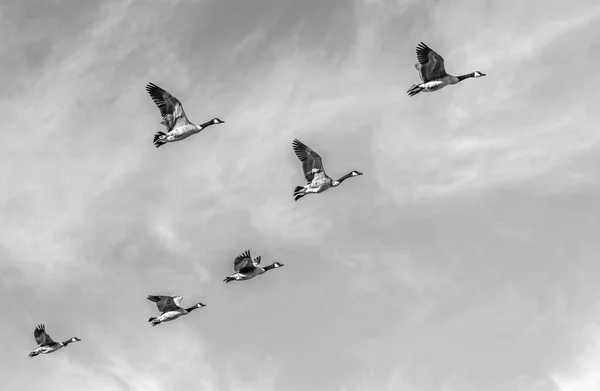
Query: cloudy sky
x,y
465,259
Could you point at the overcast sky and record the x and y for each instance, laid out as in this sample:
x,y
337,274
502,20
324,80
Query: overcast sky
x,y
465,259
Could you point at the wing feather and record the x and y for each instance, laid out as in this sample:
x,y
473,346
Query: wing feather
x,y
41,337
431,64
242,261
170,107
165,303
311,161
177,300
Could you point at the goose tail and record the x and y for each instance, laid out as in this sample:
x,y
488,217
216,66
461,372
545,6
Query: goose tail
x,y
227,280
160,139
33,354
299,192
414,90
154,321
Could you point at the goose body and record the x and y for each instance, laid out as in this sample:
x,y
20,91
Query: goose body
x,y
312,165
245,268
46,344
432,72
174,118
170,308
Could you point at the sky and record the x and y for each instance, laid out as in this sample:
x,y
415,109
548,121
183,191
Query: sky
x,y
464,259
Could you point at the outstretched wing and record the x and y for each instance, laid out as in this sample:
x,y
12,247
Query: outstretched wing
x,y
177,300
166,303
242,261
41,338
311,161
170,107
430,65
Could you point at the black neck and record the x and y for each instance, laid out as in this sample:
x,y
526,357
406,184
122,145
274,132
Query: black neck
x,y
269,267
191,309
68,341
463,77
344,177
207,123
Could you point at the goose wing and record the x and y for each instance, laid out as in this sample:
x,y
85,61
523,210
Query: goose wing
x,y
170,107
430,65
256,261
41,338
243,261
311,161
166,303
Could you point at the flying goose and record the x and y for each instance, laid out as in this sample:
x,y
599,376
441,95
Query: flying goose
x,y
45,343
169,307
245,268
174,118
314,173
432,73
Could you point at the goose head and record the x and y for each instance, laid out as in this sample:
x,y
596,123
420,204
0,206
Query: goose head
x,y
478,74
277,264
217,121
68,341
199,305
349,175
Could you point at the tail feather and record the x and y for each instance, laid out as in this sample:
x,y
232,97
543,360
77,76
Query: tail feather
x,y
159,139
33,354
299,192
227,280
154,321
414,90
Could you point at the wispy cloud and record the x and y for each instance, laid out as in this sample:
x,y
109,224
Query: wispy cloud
x,y
461,260
584,374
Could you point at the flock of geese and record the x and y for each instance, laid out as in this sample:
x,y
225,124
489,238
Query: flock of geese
x,y
434,77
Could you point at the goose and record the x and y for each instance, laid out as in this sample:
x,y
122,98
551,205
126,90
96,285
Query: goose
x,y
169,307
432,73
46,344
245,268
314,173
174,118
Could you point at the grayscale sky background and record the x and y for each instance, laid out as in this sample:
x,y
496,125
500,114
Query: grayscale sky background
x,y
465,259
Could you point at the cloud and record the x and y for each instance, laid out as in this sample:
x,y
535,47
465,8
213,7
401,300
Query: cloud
x,y
584,374
469,238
